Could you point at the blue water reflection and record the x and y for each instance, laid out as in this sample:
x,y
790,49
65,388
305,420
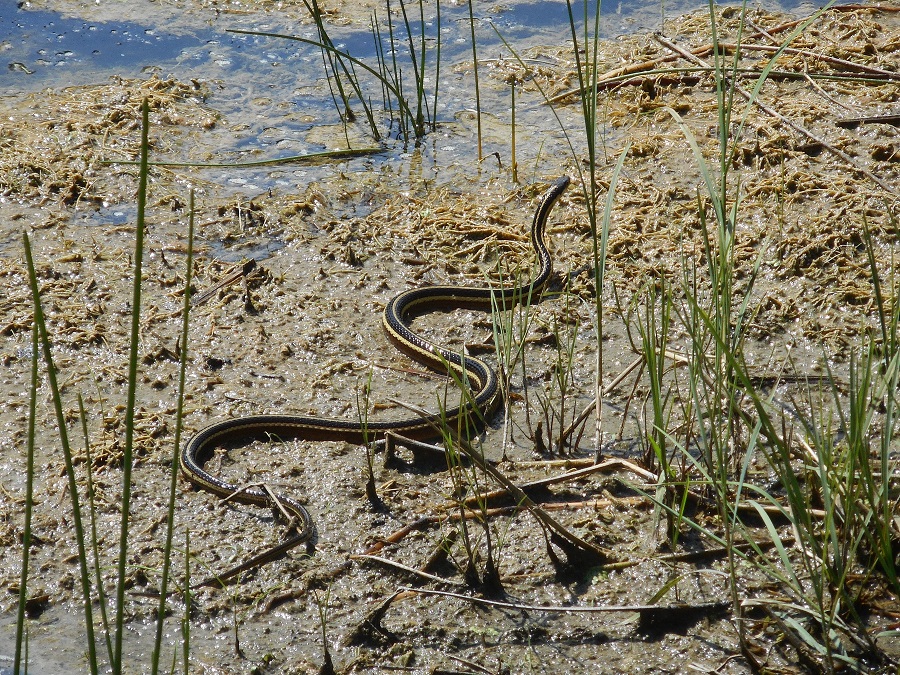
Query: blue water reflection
x,y
39,48
36,43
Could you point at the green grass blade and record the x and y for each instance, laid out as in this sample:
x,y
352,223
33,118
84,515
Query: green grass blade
x,y
188,602
599,249
779,544
475,72
437,64
379,57
179,415
67,455
418,67
95,548
127,458
396,78
29,503
332,58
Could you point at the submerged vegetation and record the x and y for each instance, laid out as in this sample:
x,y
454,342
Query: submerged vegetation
x,y
771,474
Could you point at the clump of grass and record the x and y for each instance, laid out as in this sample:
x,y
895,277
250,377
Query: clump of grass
x,y
362,412
557,403
467,477
511,321
719,439
327,667
336,65
654,306
830,496
415,115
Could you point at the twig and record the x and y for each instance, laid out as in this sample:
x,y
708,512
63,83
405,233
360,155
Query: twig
x,y
568,540
441,551
241,270
760,31
637,68
457,516
824,94
550,506
268,555
372,621
833,60
408,569
561,609
607,465
871,8
566,535
397,536
590,407
613,76
784,120
472,664
850,122
291,159
694,556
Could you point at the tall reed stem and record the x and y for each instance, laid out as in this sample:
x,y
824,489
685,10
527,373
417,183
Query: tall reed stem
x,y
128,452
67,456
179,414
512,141
29,502
475,71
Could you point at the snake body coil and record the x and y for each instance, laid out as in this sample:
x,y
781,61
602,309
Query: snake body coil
x,y
480,378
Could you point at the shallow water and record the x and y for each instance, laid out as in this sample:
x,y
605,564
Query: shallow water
x,y
270,91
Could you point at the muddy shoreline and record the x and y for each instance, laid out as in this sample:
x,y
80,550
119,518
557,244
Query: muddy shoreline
x,y
334,241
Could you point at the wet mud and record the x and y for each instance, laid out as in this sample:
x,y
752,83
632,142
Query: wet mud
x,y
301,332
